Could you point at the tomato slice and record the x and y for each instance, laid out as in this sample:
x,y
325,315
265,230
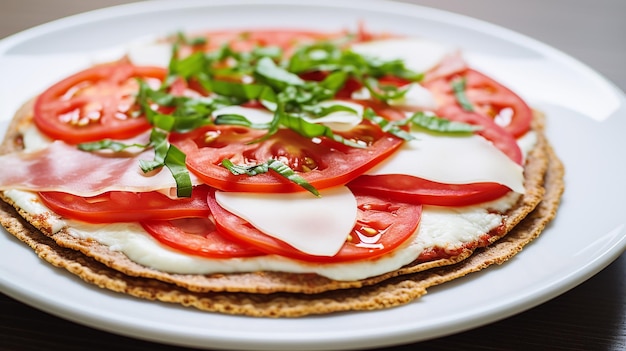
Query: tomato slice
x,y
418,190
500,138
199,237
95,104
488,97
120,206
382,226
322,162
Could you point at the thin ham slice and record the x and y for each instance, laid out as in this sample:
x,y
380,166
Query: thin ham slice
x,y
63,167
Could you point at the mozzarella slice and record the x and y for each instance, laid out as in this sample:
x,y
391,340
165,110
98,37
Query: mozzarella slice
x,y
416,98
150,53
454,160
419,55
314,225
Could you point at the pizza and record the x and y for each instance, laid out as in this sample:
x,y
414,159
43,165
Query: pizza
x,y
278,173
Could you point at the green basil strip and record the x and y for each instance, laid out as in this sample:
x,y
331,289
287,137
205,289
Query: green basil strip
x,y
458,86
188,66
312,130
236,90
276,166
392,127
171,157
268,72
159,142
175,162
321,111
384,92
238,120
334,81
107,144
182,38
438,124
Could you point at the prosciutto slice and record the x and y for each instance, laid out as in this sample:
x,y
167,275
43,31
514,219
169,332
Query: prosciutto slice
x,y
62,167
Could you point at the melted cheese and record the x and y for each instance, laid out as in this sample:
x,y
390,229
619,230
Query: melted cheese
x,y
440,226
314,225
29,202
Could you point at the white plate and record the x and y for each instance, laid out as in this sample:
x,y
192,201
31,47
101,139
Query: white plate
x,y
586,120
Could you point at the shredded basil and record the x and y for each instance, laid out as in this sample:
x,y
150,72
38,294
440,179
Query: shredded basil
x,y
458,86
175,162
276,77
274,165
182,38
392,127
108,144
438,124
165,154
260,75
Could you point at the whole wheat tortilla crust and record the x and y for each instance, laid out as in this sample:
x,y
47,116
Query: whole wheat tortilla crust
x,y
275,294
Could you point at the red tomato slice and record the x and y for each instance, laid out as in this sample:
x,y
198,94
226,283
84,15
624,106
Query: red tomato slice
x,y
488,97
417,190
95,104
322,162
500,138
120,206
382,225
199,237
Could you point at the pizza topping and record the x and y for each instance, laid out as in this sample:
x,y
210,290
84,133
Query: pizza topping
x,y
372,228
274,165
317,226
322,162
119,206
418,55
197,236
402,122
95,103
458,87
480,95
62,167
467,160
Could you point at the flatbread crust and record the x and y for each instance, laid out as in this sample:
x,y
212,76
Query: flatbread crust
x,y
275,294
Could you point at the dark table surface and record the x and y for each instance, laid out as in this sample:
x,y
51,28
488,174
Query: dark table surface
x,y
591,316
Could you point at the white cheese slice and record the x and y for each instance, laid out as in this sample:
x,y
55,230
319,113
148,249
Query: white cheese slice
x,y
33,139
419,55
454,160
416,98
151,53
314,225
